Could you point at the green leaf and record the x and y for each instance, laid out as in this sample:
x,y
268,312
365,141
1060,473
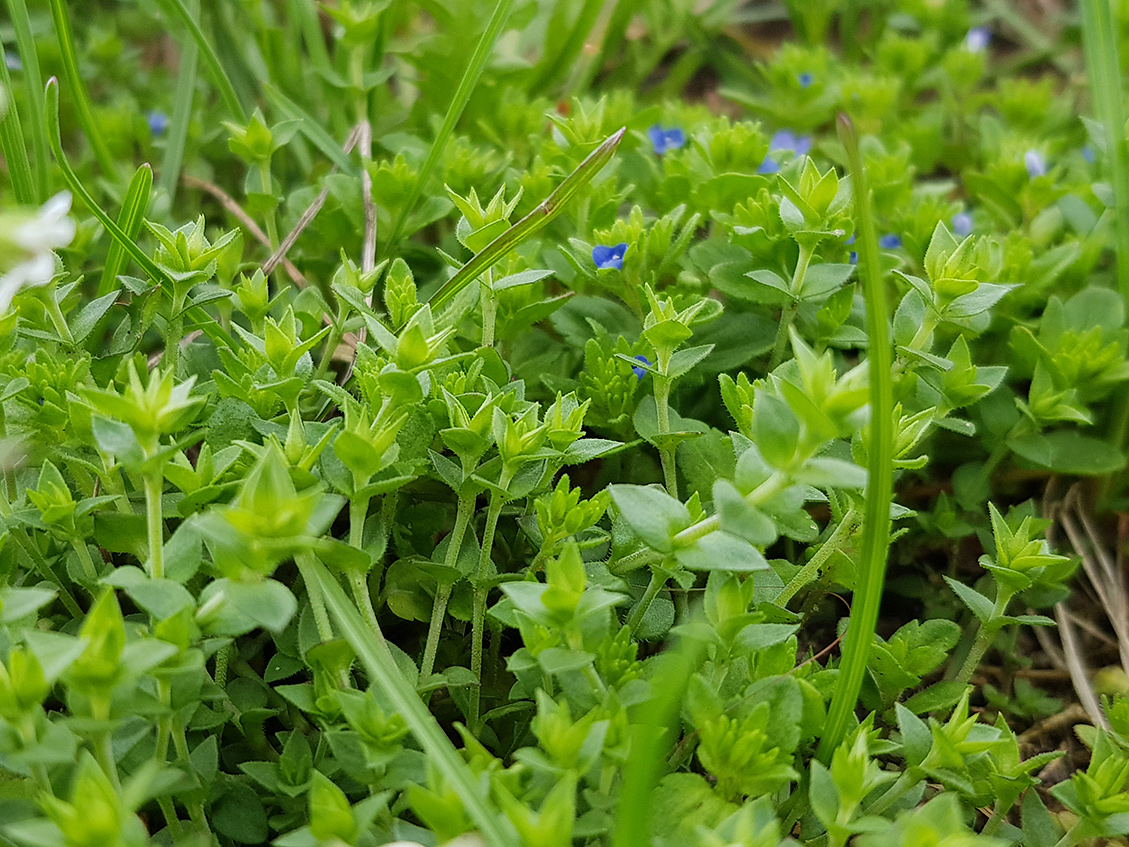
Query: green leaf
x,y
822,279
522,278
938,696
761,636
654,515
979,605
239,814
1069,452
776,431
917,739
683,361
267,602
720,551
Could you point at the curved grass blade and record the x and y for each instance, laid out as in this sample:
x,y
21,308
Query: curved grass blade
x,y
55,142
559,56
177,10
311,128
458,103
644,768
78,88
133,211
382,671
1103,65
879,463
12,146
177,134
33,86
531,223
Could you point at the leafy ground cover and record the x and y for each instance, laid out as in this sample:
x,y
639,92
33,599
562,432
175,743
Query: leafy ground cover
x,y
648,422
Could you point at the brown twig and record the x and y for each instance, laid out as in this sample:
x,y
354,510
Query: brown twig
x,y
229,203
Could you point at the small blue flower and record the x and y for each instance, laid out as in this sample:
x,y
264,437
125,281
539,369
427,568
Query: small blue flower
x,y
977,39
1088,154
852,257
609,257
962,224
158,121
805,79
889,241
12,62
665,140
638,371
1035,163
784,141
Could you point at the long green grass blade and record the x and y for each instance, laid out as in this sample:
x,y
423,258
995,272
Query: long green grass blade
x,y
177,134
12,146
177,10
311,128
132,214
54,140
1099,40
879,462
458,103
33,87
55,143
552,206
382,671
560,55
659,727
78,90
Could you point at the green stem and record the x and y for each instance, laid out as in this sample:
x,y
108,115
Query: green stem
x,y
84,559
171,356
489,309
313,593
859,638
39,562
789,314
223,662
443,592
359,583
332,340
643,606
666,452
984,637
267,187
909,778
808,572
481,592
153,485
999,814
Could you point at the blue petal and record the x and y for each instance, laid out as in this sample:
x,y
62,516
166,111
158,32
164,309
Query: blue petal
x,y
890,242
962,224
158,121
768,166
805,79
638,371
1035,163
606,258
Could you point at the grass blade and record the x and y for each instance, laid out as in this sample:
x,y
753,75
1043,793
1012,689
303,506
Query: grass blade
x,y
55,143
33,86
382,671
12,145
133,211
879,462
1099,40
311,128
659,726
177,134
78,89
177,10
458,103
558,57
531,223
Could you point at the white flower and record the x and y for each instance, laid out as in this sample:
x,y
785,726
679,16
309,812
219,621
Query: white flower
x,y
26,245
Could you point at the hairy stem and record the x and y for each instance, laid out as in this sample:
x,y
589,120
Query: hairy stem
x,y
443,592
